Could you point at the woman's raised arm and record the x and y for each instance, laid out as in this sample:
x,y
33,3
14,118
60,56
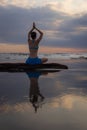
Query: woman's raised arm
x,y
40,32
29,33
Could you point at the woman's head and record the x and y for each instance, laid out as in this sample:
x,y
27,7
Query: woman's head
x,y
33,35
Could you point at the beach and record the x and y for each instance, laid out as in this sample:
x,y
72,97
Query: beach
x,y
43,65
45,100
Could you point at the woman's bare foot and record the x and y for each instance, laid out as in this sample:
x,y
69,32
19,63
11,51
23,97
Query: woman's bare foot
x,y
44,60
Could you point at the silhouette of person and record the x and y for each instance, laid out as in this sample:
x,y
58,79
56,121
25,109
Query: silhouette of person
x,y
33,42
35,95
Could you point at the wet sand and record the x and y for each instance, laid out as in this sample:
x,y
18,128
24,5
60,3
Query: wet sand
x,y
45,100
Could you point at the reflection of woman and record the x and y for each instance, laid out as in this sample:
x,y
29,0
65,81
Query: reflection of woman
x,y
33,43
35,96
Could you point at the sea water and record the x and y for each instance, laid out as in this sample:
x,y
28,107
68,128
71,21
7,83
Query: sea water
x,y
52,101
8,57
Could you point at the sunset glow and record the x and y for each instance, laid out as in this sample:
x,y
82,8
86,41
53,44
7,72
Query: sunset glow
x,y
43,49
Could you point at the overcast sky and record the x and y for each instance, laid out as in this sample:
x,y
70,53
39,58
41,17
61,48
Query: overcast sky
x,y
64,22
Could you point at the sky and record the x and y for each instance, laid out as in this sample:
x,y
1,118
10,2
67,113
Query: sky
x,y
63,22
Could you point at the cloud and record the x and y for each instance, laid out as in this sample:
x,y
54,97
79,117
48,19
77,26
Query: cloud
x,y
15,22
60,29
74,30
68,6
18,3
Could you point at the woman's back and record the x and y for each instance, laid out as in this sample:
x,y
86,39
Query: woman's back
x,y
33,48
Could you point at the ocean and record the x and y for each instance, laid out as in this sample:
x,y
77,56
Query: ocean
x,y
14,57
49,101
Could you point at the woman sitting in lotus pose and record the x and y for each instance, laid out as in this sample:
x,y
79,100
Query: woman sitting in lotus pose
x,y
33,43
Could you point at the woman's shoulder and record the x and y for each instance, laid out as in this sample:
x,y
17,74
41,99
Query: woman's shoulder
x,y
30,41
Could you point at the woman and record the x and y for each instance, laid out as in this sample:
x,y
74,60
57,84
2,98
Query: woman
x,y
33,43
